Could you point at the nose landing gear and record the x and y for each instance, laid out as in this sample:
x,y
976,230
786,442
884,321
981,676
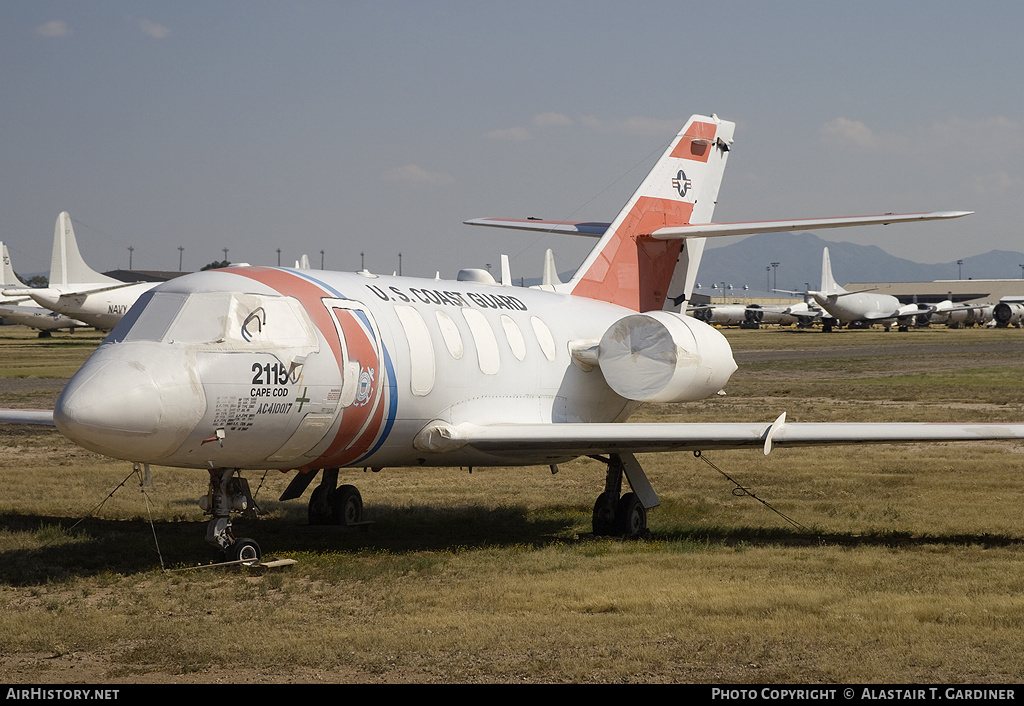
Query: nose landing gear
x,y
227,493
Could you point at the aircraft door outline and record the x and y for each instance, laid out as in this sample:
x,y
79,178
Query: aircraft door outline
x,y
361,361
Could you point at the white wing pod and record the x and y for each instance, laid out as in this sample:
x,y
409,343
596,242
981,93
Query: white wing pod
x,y
662,356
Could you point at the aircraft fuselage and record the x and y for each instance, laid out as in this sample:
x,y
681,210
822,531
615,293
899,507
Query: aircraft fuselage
x,y
861,306
254,367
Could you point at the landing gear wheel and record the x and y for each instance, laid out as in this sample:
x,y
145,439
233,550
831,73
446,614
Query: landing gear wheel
x,y
631,516
604,515
245,551
320,508
346,506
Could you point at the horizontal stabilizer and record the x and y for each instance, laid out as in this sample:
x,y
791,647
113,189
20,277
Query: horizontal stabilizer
x,y
712,230
594,230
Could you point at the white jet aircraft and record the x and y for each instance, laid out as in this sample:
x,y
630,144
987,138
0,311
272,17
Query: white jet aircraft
x,y
22,310
78,291
861,307
249,368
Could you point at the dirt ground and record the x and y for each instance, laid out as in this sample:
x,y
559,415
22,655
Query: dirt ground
x,y
100,667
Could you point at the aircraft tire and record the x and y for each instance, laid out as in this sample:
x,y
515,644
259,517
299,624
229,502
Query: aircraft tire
x,y
246,551
319,512
346,506
631,516
603,522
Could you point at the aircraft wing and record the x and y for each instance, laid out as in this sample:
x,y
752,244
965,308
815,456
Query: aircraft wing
x,y
956,307
581,439
27,416
805,313
594,230
21,292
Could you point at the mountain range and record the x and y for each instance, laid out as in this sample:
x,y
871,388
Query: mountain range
x,y
749,262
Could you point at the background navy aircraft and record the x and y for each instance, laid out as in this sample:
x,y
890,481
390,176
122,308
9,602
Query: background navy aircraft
x,y
299,370
861,307
76,290
21,309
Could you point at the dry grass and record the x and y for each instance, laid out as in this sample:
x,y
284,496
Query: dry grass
x,y
896,563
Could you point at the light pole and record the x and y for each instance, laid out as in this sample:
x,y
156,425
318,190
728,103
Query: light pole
x,y
181,251
768,278
775,275
959,269
130,251
279,257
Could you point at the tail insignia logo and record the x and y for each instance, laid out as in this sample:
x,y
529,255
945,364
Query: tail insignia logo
x,y
681,183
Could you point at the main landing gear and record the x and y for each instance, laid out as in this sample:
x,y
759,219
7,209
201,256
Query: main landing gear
x,y
623,515
329,503
229,493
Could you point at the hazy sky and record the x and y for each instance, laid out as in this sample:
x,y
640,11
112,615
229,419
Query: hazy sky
x,y
378,127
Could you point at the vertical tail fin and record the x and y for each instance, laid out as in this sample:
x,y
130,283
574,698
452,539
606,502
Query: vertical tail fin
x,y
549,279
66,264
8,278
629,268
828,282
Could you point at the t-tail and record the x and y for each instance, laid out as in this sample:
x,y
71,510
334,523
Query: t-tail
x,y
647,258
629,267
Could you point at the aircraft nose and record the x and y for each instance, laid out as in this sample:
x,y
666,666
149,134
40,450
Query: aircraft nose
x,y
115,407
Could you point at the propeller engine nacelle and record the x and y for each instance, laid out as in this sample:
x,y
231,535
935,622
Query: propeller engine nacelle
x,y
663,356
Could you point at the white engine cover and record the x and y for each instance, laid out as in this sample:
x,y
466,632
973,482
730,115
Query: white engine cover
x,y
662,356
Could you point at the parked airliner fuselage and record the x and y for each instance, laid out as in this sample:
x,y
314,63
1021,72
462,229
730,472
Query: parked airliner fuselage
x,y
861,306
100,309
267,368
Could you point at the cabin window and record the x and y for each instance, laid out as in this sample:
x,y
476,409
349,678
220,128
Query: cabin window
x,y
202,319
264,321
486,344
514,336
451,334
149,319
421,350
544,338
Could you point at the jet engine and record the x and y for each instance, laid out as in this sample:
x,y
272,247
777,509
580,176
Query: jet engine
x,y
1008,314
662,356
